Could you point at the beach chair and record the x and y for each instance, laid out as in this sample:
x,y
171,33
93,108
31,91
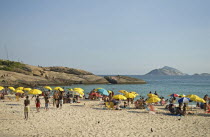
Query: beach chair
x,y
109,105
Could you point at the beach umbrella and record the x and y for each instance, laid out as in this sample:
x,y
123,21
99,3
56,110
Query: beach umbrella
x,y
1,88
11,88
119,96
78,89
35,92
152,95
130,95
173,95
103,91
47,87
182,95
59,89
153,100
184,100
18,91
192,96
109,91
27,89
123,91
201,100
20,88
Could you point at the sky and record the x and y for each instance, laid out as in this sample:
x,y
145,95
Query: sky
x,y
115,37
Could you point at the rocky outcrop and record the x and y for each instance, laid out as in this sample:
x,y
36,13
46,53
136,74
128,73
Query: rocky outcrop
x,y
124,80
18,74
166,71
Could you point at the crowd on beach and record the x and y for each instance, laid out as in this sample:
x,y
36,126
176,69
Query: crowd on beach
x,y
60,97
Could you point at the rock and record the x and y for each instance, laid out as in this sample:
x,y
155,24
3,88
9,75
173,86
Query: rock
x,y
124,80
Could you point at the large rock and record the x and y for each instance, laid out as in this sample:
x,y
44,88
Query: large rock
x,y
68,70
124,80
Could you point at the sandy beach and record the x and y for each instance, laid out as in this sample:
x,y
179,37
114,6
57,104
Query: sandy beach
x,y
92,119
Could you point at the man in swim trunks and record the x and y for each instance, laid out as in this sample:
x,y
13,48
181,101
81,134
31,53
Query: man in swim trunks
x,y
26,107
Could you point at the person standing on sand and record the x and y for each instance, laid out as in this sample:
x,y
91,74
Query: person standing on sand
x,y
47,103
26,107
206,98
38,103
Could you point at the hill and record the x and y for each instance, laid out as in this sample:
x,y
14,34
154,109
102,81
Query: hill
x,y
166,71
18,74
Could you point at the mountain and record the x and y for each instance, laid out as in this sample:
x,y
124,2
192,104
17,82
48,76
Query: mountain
x,y
166,71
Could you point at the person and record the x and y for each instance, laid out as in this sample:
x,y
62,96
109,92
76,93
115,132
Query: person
x,y
26,107
205,104
38,103
47,103
156,93
60,100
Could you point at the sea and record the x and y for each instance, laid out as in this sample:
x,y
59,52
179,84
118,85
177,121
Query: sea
x,y
163,85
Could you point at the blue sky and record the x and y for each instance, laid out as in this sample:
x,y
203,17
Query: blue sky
x,y
108,36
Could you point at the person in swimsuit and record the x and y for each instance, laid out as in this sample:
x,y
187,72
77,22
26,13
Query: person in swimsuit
x,y
38,103
26,107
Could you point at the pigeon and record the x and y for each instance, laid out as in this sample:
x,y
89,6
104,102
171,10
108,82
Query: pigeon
x,y
151,130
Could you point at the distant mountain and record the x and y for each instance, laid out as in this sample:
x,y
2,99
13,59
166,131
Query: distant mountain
x,y
166,71
202,74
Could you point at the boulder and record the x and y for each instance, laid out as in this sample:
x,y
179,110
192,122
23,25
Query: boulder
x,y
124,80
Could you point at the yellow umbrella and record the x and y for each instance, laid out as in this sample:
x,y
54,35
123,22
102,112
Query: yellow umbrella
x,y
47,87
201,100
78,89
18,91
27,89
109,91
35,91
120,97
20,88
152,95
153,100
59,89
123,91
11,88
192,96
1,88
130,95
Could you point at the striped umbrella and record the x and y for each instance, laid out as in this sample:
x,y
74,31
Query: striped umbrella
x,y
184,100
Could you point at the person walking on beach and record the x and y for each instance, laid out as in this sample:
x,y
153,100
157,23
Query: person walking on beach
x,y
47,103
38,103
26,107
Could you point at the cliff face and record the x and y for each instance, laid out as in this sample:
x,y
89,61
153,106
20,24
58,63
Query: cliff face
x,y
166,71
124,80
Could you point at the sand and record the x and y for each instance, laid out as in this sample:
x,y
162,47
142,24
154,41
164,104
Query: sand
x,y
93,120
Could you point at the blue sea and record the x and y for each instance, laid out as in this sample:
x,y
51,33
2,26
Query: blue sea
x,y
163,85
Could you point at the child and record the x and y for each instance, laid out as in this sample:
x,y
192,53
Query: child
x,y
26,107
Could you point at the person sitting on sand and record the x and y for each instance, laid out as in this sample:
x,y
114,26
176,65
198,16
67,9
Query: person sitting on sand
x,y
47,103
26,107
38,103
